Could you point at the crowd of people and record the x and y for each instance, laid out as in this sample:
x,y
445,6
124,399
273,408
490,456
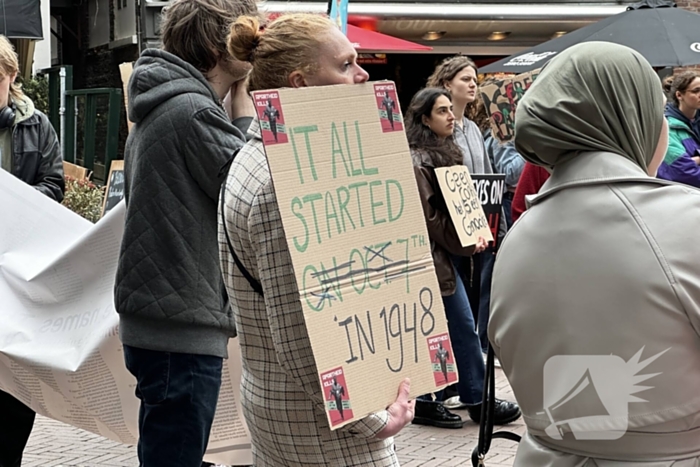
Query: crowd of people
x,y
599,179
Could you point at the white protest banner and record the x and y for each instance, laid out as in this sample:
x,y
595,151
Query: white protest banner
x,y
464,204
60,352
347,193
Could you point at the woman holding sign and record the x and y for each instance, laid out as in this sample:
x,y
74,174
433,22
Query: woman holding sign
x,y
282,400
430,122
458,75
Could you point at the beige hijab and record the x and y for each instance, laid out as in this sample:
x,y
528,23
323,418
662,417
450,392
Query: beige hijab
x,y
595,96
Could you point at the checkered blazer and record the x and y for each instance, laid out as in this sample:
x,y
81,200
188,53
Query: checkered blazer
x,y
282,399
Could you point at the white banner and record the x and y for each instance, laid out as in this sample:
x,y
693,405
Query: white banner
x,y
59,346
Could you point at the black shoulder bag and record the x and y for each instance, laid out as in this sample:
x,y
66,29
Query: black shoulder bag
x,y
488,407
257,287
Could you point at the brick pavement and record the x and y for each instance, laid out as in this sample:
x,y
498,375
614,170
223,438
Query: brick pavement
x,y
54,444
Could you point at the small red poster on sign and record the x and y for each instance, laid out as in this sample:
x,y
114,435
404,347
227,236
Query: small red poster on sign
x,y
270,116
335,391
442,359
388,105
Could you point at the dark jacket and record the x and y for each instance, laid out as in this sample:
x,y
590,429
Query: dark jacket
x,y
444,240
169,292
36,153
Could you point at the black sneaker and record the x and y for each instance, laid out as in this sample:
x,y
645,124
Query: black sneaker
x,y
435,414
504,412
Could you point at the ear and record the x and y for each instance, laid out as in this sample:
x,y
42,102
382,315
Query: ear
x,y
13,77
425,120
679,95
297,80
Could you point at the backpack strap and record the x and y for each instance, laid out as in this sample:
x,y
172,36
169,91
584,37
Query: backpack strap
x,y
254,284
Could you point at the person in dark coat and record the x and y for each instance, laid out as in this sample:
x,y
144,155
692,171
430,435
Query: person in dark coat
x,y
430,124
30,151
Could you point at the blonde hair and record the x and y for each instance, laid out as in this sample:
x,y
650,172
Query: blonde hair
x,y
9,65
287,44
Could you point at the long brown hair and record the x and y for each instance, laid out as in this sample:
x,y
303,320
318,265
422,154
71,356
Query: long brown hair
x,y
447,70
443,152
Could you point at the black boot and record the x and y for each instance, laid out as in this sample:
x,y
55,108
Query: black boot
x,y
504,412
435,414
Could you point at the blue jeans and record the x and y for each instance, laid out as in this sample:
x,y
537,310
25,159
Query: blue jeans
x,y
508,209
487,260
178,394
465,344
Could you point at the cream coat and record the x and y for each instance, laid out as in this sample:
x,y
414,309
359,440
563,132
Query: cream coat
x,y
606,262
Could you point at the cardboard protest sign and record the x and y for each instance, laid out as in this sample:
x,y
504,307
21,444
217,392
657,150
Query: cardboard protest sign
x,y
75,171
356,232
464,204
489,189
501,98
114,190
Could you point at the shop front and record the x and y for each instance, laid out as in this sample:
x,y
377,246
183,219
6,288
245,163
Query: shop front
x,y
484,30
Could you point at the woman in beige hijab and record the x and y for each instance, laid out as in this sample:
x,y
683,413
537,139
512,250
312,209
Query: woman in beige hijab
x,y
596,289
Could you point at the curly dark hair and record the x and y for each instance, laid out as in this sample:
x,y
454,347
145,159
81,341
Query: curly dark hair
x,y
443,152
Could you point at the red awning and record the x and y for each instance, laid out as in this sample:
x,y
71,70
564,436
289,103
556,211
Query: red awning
x,y
370,41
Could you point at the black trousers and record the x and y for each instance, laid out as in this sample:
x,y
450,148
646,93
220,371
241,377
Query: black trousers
x,y
16,422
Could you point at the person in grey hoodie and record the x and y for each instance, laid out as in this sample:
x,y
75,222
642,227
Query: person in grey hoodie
x,y
174,316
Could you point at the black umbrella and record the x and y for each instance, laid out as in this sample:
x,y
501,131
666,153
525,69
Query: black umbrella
x,y
21,19
667,37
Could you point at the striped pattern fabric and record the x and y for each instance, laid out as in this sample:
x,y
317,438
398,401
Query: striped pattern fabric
x,y
282,400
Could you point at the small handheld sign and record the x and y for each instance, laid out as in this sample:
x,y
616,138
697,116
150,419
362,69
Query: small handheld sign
x,y
463,204
489,189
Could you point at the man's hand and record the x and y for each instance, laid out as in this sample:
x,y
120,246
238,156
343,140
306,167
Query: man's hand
x,y
237,102
400,412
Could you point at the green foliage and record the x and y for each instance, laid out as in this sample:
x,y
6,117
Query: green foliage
x,y
84,198
37,89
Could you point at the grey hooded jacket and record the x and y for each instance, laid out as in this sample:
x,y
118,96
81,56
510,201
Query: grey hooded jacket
x,y
169,292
